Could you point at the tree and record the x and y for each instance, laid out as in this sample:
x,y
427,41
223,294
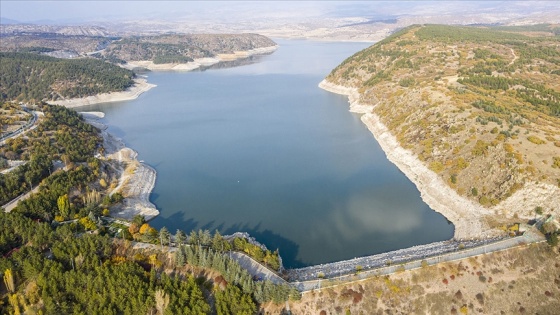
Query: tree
x,y
204,237
9,280
3,163
66,159
162,301
180,257
133,228
539,210
233,301
88,224
218,242
552,239
193,238
139,220
164,236
180,237
144,228
63,205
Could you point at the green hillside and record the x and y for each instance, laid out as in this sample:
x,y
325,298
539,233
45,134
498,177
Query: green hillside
x,y
32,77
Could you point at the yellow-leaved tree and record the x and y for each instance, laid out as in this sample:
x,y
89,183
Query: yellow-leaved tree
x,y
9,280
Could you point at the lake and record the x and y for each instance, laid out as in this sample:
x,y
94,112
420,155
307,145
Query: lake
x,y
260,148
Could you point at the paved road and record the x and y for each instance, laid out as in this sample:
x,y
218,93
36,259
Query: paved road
x,y
30,125
12,204
255,268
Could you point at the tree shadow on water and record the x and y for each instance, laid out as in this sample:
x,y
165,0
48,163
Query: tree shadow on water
x,y
287,248
174,222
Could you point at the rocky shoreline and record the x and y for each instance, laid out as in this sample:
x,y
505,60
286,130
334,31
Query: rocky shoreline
x,y
467,216
137,186
141,85
202,62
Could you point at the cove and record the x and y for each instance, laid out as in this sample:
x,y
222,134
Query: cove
x,y
261,149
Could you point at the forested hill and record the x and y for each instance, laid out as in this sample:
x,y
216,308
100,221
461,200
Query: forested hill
x,y
479,105
183,48
32,77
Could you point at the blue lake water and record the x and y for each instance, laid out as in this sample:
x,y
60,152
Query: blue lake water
x,y
260,148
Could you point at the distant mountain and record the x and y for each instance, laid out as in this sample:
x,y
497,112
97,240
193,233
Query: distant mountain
x,y
19,28
4,20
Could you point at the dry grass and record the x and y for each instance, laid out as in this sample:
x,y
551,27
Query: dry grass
x,y
525,279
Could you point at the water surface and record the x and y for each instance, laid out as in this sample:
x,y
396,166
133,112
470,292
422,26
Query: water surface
x,y
260,148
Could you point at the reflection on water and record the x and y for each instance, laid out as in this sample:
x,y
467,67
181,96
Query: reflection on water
x,y
260,148
234,63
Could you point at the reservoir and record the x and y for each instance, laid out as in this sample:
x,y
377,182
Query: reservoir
x,y
259,148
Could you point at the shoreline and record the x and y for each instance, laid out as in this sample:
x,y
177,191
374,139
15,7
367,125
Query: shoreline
x,y
136,186
141,85
466,216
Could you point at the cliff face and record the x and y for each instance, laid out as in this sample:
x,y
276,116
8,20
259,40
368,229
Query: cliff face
x,y
479,107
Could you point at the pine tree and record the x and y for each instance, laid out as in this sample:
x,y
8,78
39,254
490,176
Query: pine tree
x,y
180,237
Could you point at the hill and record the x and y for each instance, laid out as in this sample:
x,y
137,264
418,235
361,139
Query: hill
x,y
183,48
478,106
32,77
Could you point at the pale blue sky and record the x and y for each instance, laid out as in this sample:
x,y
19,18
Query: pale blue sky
x,y
84,11
107,10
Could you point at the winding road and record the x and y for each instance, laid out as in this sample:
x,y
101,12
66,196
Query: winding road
x,y
30,125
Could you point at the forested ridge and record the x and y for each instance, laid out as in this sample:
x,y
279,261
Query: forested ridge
x,y
33,78
480,106
65,271
182,48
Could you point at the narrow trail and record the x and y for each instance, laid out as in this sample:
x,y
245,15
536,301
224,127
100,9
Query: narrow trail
x,y
515,57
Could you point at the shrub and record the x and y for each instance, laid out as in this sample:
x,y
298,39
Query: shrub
x,y
536,140
407,82
436,166
453,178
474,191
480,148
556,161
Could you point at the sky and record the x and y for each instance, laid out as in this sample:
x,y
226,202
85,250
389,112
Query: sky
x,y
26,11
89,11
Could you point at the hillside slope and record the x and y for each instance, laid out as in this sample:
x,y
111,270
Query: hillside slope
x,y
32,77
479,107
183,48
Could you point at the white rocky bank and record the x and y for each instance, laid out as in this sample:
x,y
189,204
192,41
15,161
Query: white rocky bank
x,y
140,86
467,216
